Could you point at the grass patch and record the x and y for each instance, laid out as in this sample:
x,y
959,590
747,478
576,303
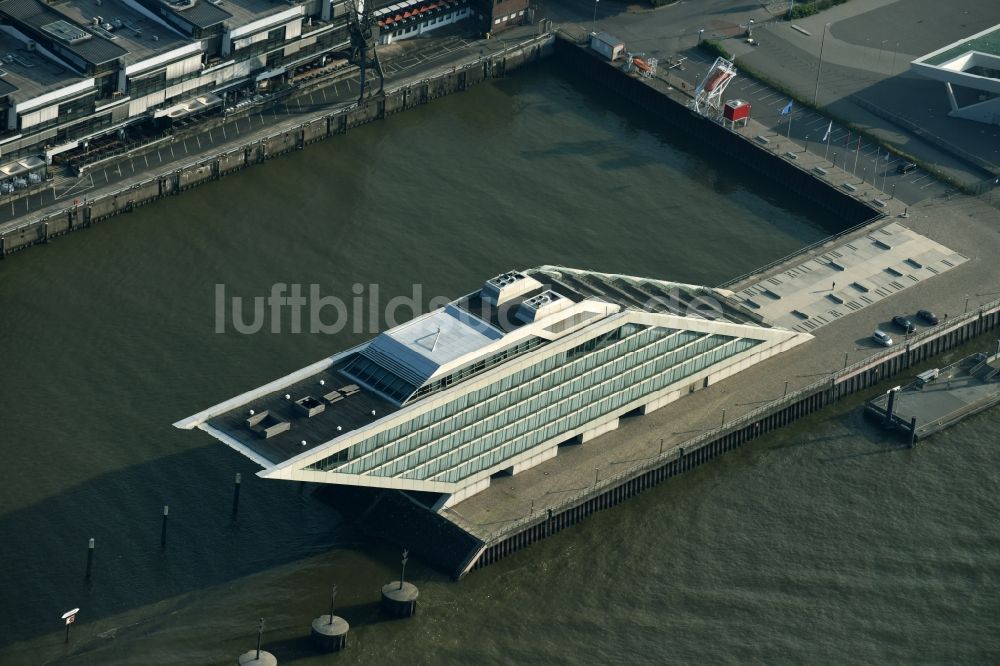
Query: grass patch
x,y
716,47
810,8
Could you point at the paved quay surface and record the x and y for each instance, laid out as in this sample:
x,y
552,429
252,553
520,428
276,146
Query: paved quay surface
x,y
849,277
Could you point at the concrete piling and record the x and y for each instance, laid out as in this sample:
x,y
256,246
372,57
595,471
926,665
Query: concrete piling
x,y
889,408
90,558
236,494
399,598
913,432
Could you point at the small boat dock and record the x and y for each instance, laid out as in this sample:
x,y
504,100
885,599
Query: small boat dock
x,y
939,397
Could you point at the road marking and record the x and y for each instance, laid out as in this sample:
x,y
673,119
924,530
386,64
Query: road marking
x,y
145,160
172,156
196,138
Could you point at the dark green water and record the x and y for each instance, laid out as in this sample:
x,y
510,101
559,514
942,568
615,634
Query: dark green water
x,y
823,543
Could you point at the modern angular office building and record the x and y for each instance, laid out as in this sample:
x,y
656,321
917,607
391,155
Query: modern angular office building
x,y
494,382
972,66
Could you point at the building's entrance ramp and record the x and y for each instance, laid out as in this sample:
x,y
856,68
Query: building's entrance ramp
x,y
848,278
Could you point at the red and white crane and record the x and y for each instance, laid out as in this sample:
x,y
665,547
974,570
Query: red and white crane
x,y
708,94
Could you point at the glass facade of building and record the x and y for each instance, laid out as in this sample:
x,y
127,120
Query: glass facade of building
x,y
483,429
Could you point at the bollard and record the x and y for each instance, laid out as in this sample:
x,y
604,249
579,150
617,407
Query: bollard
x,y
889,408
163,529
236,494
90,557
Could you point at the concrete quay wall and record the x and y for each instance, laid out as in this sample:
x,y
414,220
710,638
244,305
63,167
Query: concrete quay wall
x,y
859,377
83,213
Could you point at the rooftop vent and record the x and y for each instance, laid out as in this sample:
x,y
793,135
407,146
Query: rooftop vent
x,y
542,305
309,406
508,285
266,425
66,32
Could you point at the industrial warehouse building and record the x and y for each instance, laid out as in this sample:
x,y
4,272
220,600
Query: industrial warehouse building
x,y
494,382
75,71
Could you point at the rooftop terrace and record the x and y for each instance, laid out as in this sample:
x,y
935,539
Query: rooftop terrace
x,y
340,414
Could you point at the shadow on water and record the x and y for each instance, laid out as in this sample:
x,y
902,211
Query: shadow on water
x,y
725,175
122,510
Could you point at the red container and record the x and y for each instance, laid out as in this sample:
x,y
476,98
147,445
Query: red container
x,y
736,109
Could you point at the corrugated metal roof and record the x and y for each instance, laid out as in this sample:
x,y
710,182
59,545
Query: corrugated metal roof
x,y
203,14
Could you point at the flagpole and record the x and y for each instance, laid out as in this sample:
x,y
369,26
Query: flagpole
x,y
857,154
819,68
826,155
878,149
789,135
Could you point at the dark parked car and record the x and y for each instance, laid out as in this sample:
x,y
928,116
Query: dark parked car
x,y
906,167
928,317
904,324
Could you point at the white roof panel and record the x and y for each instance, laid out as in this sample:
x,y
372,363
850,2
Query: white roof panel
x,y
435,339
